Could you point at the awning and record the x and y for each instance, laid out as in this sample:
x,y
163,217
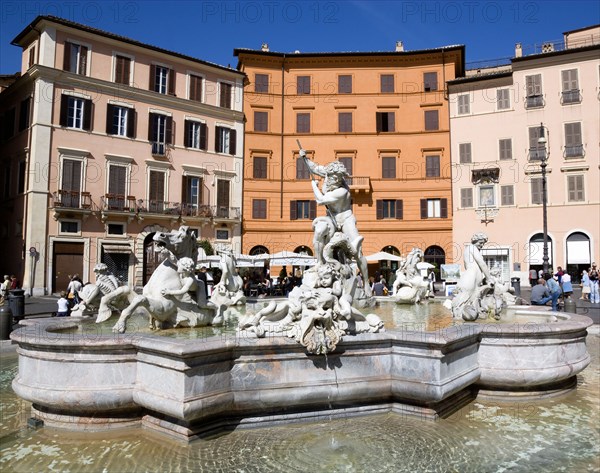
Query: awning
x,y
382,256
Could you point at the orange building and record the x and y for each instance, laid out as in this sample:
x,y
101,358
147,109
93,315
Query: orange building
x,y
383,114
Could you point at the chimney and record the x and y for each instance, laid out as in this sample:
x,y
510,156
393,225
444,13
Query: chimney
x,y
399,47
518,50
265,47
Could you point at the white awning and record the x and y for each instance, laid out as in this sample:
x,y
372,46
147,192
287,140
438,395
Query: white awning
x,y
578,252
116,248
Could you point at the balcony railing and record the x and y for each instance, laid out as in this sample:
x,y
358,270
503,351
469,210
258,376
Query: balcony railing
x,y
149,206
537,154
534,101
571,96
71,200
574,151
119,203
159,148
359,183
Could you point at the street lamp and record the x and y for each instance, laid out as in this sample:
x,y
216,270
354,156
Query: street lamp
x,y
542,141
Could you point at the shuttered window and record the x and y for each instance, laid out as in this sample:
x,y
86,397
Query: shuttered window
x,y
259,168
303,85
464,152
432,121
303,123
390,209
434,208
195,92
261,83
432,166
387,83
345,122
225,140
466,198
505,150
464,104
122,69
71,183
261,121
536,190
225,98
576,189
344,84
507,195
303,210
259,208
430,81
302,171
573,140
385,121
76,112
388,167
195,134
503,99
75,58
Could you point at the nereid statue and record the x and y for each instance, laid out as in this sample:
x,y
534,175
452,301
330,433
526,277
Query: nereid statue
x,y
230,289
409,286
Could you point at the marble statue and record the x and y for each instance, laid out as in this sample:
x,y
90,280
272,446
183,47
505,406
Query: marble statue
x,y
166,297
335,196
475,295
96,299
409,286
319,312
229,290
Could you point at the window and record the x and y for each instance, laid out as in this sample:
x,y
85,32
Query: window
x,y
31,60
387,83
195,92
162,79
536,190
389,208
259,208
122,70
261,83
432,121
464,104
115,229
76,58
505,146
303,210
261,121
24,114
259,168
76,112
303,123
225,94
536,150
21,177
432,166
573,144
507,195
464,152
345,122
533,86
222,234
487,196
303,85
466,198
225,140
503,99
68,226
347,162
196,134
434,208
430,81
160,132
223,194
191,192
302,171
156,191
117,187
70,185
388,167
345,84
385,122
120,121
575,188
570,86
9,123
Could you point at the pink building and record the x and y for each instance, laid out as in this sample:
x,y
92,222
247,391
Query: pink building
x,y
107,140
497,116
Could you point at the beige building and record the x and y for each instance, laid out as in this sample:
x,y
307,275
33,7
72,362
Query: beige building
x,y
496,119
383,114
107,140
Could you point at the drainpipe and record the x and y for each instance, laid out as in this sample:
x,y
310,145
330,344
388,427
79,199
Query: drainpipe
x,y
282,132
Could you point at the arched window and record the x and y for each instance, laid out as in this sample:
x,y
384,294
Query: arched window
x,y
536,250
391,250
259,250
303,249
579,255
435,255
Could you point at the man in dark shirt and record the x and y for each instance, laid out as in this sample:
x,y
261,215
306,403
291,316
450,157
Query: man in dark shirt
x,y
540,294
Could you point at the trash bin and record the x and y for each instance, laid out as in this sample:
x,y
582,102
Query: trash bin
x,y
516,284
6,322
16,302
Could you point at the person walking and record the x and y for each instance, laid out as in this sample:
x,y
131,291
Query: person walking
x,y
585,286
73,289
594,281
533,277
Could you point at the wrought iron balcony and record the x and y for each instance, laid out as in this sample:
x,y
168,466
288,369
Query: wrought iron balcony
x,y
359,183
186,210
571,96
534,101
537,154
574,151
159,148
72,200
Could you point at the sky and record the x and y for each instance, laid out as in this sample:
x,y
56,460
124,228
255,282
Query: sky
x,y
211,30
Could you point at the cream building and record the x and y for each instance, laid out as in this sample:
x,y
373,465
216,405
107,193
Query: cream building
x,y
496,118
107,140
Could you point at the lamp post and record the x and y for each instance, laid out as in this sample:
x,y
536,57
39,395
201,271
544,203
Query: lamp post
x,y
542,141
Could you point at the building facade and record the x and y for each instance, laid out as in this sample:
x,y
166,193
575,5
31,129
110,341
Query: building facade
x,y
497,117
383,115
106,141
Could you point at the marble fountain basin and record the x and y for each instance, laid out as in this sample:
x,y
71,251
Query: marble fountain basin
x,y
194,387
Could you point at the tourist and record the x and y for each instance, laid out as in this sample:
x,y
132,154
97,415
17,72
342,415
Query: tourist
x,y
73,289
540,294
14,282
585,286
567,286
554,289
431,278
379,288
559,274
594,277
283,273
4,287
533,277
63,305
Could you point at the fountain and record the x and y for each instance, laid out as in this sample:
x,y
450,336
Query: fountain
x,y
334,361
